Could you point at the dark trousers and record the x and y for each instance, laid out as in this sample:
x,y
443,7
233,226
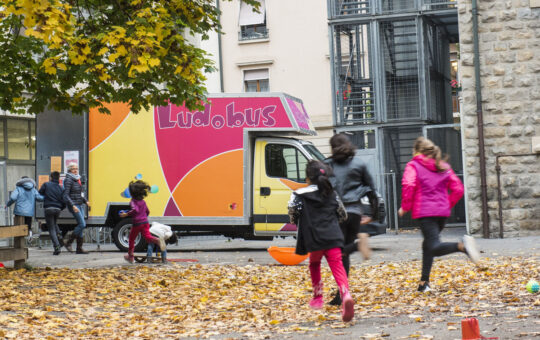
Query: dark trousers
x,y
349,228
432,245
20,220
51,216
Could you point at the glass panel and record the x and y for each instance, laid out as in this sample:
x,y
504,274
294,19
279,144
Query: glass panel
x,y
314,152
285,161
251,86
18,141
2,152
264,85
397,5
33,139
364,139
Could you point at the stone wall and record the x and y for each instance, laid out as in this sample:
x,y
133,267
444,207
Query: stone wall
x,y
509,38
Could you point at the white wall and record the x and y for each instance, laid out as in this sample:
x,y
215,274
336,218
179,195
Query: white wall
x,y
296,54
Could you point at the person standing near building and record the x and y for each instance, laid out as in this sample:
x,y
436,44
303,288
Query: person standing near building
x,y
53,204
74,198
24,196
352,181
430,189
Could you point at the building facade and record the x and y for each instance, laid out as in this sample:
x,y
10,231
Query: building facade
x,y
284,48
509,96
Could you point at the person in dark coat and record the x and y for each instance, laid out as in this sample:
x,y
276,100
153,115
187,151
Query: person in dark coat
x,y
74,198
352,181
316,211
24,196
53,204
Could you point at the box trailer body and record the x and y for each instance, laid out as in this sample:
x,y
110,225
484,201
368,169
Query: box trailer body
x,y
228,169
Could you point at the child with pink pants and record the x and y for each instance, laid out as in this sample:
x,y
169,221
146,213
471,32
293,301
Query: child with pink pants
x,y
316,210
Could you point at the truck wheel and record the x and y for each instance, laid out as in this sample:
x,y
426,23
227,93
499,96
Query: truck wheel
x,y
120,235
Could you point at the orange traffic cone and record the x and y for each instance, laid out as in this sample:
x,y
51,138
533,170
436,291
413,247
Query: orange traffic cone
x,y
470,330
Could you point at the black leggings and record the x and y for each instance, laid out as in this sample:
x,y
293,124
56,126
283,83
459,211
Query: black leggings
x,y
432,245
349,228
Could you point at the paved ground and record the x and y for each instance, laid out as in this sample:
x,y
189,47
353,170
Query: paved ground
x,y
387,248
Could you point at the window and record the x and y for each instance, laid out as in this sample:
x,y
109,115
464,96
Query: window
x,y
256,80
252,24
285,161
19,140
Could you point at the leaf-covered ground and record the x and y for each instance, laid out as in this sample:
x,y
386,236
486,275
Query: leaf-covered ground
x,y
258,301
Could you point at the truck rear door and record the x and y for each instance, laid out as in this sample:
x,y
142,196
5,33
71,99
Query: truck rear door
x,y
279,168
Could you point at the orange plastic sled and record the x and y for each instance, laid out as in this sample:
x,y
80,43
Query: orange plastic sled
x,y
286,256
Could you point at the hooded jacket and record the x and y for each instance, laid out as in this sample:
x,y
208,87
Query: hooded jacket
x,y
317,218
161,230
425,190
24,196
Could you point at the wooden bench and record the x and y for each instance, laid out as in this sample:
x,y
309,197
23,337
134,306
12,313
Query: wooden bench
x,y
19,252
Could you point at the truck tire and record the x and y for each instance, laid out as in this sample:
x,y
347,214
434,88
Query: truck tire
x,y
120,235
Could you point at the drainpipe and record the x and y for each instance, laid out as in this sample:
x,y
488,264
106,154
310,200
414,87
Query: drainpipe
x,y
219,52
480,123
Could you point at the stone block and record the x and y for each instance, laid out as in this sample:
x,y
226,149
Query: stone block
x,y
512,106
524,55
508,81
523,35
514,131
500,46
505,120
524,81
529,130
528,14
507,15
487,17
467,59
517,45
506,35
494,132
508,57
498,71
515,25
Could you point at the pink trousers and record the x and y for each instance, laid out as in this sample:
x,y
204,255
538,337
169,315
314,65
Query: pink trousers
x,y
143,229
333,257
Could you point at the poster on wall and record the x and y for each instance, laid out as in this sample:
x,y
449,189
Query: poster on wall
x,y
70,157
56,163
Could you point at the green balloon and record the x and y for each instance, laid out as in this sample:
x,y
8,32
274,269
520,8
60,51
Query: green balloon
x,y
154,189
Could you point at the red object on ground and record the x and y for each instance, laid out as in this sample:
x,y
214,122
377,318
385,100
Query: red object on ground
x,y
470,329
286,255
182,260
1,265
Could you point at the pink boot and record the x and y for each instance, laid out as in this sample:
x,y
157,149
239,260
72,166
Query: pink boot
x,y
317,301
347,307
130,258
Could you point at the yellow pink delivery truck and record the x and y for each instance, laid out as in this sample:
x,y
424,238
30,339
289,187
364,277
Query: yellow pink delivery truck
x,y
227,169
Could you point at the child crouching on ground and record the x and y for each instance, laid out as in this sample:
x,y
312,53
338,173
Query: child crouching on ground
x,y
139,213
161,231
316,210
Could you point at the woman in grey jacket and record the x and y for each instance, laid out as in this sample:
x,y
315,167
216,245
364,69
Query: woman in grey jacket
x,y
74,198
352,181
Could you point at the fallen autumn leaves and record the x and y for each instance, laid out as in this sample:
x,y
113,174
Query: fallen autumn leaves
x,y
251,301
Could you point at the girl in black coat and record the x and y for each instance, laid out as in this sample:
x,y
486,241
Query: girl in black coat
x,y
316,210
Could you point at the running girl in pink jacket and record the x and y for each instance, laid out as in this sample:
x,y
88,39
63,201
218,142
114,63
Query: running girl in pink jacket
x,y
430,189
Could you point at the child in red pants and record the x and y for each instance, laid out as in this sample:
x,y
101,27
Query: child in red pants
x,y
316,210
139,213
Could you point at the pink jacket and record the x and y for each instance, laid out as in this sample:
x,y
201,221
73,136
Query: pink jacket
x,y
425,191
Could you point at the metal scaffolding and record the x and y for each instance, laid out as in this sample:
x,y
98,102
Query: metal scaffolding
x,y
391,79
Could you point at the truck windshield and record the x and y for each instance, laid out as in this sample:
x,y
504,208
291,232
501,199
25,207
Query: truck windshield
x,y
316,154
